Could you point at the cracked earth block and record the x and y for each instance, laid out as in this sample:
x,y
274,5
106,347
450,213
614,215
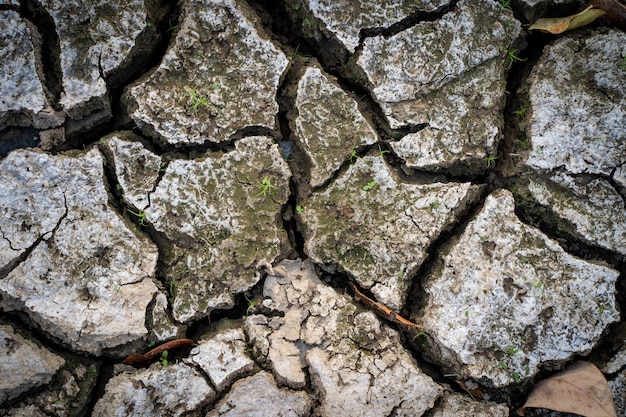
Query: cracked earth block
x,y
24,100
591,208
97,40
66,395
346,19
223,358
71,263
377,228
220,75
504,299
357,365
463,122
173,390
26,411
162,326
416,62
578,105
449,75
618,389
454,404
328,124
258,396
221,223
23,364
615,372
136,168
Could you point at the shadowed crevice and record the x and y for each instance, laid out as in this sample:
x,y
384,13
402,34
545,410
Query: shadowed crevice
x,y
47,49
413,19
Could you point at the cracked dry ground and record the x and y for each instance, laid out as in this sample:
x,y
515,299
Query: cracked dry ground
x,y
232,171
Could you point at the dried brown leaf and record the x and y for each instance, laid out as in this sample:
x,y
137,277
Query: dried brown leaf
x,y
579,389
473,389
556,25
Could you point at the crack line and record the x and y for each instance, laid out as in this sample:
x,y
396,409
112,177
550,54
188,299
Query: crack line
x,y
11,265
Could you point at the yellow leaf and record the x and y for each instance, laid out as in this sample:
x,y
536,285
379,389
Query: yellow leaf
x,y
558,25
580,389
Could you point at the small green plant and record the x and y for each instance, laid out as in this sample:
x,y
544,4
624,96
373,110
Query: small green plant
x,y
505,3
527,369
369,185
141,216
522,143
171,27
296,53
419,334
198,101
102,141
172,288
353,155
118,187
622,63
512,350
266,187
523,259
421,339
505,367
435,205
164,356
251,304
299,209
466,313
382,151
521,113
151,344
602,308
491,161
512,55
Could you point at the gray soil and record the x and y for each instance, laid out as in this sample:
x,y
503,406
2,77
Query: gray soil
x,y
228,171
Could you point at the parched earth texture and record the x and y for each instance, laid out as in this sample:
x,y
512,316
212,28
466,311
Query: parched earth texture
x,y
229,171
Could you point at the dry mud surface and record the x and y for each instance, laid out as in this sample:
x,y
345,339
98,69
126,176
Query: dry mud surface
x,y
414,208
